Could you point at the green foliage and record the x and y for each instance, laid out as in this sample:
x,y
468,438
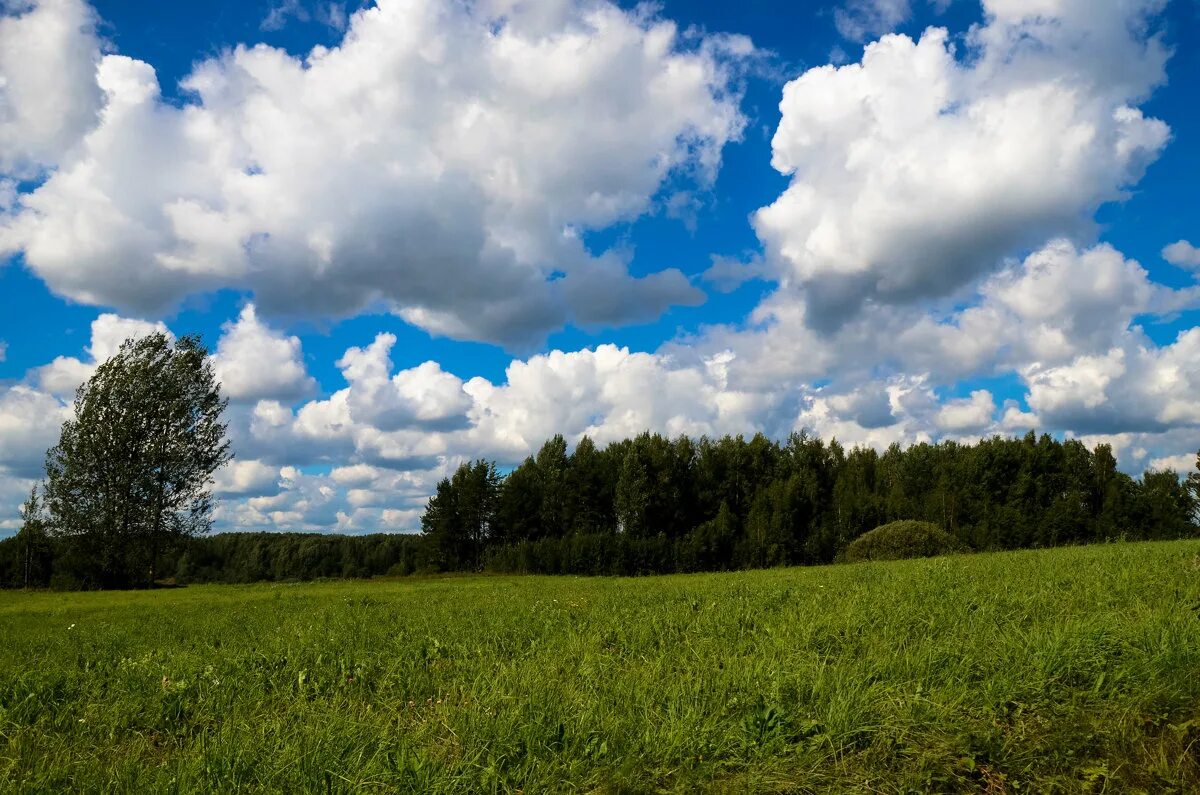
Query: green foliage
x,y
130,473
655,505
35,553
903,540
1065,670
459,518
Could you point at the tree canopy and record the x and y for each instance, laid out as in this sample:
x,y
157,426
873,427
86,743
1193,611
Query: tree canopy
x,y
652,504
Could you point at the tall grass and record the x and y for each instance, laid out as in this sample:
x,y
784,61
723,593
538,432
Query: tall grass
x,y
1064,670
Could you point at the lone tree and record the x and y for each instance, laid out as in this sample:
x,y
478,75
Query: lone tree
x,y
131,472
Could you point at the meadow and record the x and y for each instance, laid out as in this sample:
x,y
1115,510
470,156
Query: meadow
x,y
1071,670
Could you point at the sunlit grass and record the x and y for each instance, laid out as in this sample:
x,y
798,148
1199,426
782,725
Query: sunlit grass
x,y
1071,669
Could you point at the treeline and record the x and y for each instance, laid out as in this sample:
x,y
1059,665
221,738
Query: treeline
x,y
655,505
658,505
225,558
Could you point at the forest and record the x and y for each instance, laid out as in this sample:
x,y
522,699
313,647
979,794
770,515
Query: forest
x,y
653,505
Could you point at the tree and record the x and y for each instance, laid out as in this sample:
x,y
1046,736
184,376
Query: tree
x,y
131,472
590,490
35,544
458,520
552,470
632,498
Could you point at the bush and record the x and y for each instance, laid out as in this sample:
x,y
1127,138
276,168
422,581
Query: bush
x,y
901,540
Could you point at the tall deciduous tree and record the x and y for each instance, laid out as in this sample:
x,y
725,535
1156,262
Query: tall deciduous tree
x,y
132,469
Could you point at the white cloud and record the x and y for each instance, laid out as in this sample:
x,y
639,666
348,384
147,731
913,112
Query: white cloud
x,y
972,414
29,424
255,362
48,93
915,171
424,396
440,161
239,478
1183,254
1134,386
1183,464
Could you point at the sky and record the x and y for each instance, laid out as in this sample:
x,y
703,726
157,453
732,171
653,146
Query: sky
x,y
416,232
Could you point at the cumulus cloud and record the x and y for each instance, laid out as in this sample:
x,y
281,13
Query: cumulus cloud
x,y
917,170
441,161
1183,254
367,456
1183,464
971,414
48,92
29,424
424,396
255,362
239,478
1135,386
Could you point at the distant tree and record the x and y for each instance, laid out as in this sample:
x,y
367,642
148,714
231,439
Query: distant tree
x,y
458,520
1165,506
552,470
131,472
590,490
632,498
35,546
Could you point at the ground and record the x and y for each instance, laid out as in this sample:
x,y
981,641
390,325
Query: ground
x,y
1072,670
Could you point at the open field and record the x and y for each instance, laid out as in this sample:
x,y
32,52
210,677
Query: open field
x,y
1064,670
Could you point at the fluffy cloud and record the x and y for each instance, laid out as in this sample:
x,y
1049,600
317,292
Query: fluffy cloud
x,y
968,415
366,456
48,91
29,424
442,161
1133,387
915,171
239,478
255,362
1183,254
424,396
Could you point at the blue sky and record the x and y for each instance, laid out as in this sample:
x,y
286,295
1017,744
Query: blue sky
x,y
414,232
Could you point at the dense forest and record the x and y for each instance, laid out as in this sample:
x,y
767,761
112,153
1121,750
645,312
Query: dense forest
x,y
652,504
655,505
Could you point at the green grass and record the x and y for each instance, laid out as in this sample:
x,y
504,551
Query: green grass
x,y
1066,670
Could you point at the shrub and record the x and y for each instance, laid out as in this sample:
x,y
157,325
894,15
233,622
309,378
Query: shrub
x,y
903,539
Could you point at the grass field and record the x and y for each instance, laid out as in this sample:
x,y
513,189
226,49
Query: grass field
x,y
1065,670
